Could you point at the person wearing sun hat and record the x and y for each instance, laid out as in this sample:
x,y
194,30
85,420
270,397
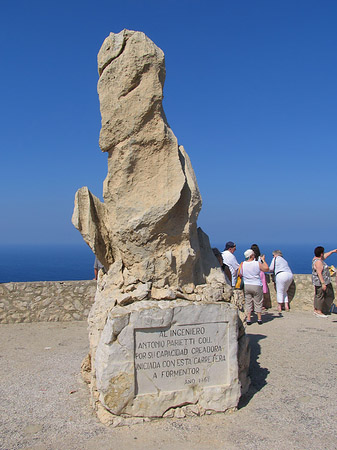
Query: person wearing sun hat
x,y
252,284
230,261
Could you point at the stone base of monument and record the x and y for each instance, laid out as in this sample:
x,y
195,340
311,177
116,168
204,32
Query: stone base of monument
x,y
167,358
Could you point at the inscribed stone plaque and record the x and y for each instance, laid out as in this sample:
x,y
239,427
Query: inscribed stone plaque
x,y
181,356
154,356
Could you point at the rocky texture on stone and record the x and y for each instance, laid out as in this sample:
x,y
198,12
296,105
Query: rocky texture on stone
x,y
145,232
164,355
46,301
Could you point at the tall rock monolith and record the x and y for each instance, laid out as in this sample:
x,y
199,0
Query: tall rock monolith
x,y
158,263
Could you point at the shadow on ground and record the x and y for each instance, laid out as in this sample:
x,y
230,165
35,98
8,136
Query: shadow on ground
x,y
258,374
268,317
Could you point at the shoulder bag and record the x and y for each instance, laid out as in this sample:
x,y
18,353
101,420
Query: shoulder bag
x,y
239,281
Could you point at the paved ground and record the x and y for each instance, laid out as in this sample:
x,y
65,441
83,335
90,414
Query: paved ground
x,y
291,403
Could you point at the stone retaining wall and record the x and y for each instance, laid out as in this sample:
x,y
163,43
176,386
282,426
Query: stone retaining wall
x,y
300,293
46,301
56,301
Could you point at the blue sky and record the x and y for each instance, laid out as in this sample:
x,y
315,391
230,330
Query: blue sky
x,y
251,90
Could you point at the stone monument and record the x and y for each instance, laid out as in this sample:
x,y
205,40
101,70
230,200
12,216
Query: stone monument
x,y
164,335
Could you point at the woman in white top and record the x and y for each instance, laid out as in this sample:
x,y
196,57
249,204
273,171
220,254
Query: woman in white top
x,y
283,279
252,284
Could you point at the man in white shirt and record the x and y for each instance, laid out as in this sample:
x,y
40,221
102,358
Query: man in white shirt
x,y
230,260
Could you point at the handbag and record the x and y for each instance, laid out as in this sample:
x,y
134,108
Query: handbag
x,y
239,281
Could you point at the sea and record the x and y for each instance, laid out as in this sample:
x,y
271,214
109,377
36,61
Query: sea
x,y
75,262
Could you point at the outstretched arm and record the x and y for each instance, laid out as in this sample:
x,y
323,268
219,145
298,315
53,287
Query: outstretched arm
x,y
327,254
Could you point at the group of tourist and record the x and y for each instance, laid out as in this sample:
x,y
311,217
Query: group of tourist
x,y
251,272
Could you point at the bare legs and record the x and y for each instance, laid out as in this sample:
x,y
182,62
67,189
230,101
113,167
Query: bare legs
x,y
286,306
